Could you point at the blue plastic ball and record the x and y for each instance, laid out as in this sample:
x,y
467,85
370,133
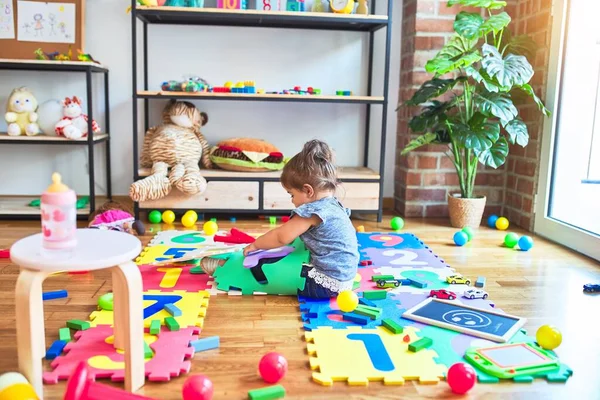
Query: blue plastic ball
x,y
492,221
460,238
525,243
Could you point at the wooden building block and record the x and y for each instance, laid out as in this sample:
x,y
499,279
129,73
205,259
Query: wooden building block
x,y
207,343
267,393
420,344
367,313
375,294
173,310
55,349
366,302
171,323
358,319
376,278
155,327
392,326
480,282
418,283
78,325
64,334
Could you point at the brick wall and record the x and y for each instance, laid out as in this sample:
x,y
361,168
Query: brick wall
x,y
423,178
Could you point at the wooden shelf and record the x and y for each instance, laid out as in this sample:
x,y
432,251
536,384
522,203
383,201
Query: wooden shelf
x,y
43,139
344,173
146,94
19,206
259,18
49,65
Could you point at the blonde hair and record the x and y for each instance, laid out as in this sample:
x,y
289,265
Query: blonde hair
x,y
313,166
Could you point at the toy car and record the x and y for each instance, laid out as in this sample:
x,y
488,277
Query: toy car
x,y
442,294
475,294
382,283
457,278
591,288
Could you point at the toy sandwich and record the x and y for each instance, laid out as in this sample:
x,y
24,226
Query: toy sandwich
x,y
247,155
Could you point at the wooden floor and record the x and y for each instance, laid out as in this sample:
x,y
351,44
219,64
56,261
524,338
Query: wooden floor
x,y
543,285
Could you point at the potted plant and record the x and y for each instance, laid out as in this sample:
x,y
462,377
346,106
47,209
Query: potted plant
x,y
468,105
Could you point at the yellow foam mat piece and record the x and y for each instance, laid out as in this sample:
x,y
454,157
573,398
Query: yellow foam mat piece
x,y
193,307
357,356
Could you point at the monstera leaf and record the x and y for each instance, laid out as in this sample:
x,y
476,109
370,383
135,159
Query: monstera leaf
x,y
521,45
489,4
433,88
495,23
510,71
479,135
457,53
529,90
497,104
480,76
422,140
517,132
473,26
495,156
432,115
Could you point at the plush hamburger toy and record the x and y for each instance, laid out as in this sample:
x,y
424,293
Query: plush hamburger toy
x,y
247,155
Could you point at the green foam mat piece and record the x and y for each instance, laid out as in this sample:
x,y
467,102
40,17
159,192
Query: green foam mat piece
x,y
283,276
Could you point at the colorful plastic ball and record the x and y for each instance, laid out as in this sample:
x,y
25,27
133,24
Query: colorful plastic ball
x,y
210,227
397,223
272,367
461,378
168,217
548,337
469,231
460,238
502,224
347,301
525,243
511,239
105,302
188,220
197,387
492,220
155,217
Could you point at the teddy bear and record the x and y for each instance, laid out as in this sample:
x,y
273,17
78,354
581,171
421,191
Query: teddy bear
x,y
174,151
74,124
21,116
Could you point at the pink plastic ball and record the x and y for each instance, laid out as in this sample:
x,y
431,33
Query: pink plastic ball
x,y
461,377
197,387
272,367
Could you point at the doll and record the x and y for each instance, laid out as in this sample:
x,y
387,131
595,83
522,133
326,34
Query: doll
x,y
114,216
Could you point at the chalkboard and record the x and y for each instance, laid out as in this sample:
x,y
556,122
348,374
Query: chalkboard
x,y
474,321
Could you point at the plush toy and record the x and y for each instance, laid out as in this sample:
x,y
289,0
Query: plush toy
x,y
49,114
114,216
247,154
173,151
21,116
74,124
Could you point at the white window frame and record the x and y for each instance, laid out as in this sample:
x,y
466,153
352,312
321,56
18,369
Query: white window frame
x,y
577,239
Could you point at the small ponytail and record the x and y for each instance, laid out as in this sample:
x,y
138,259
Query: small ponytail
x,y
314,165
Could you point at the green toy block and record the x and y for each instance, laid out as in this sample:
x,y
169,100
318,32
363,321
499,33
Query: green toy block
x,y
420,344
373,309
375,278
171,323
155,327
78,325
375,294
272,220
367,313
355,285
147,351
268,393
392,326
64,334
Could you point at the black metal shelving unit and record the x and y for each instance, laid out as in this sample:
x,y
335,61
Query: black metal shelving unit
x,y
87,68
261,19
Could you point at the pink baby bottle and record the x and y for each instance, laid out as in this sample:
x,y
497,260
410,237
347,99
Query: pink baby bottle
x,y
59,219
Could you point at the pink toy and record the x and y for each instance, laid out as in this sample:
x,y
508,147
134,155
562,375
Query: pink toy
x,y
5,253
197,387
235,236
272,367
59,217
81,387
74,124
461,377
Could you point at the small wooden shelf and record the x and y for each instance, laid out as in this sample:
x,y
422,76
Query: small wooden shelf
x,y
146,94
49,65
19,206
43,139
259,18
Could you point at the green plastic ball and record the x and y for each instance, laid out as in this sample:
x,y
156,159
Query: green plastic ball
x,y
155,217
105,302
511,239
469,231
397,223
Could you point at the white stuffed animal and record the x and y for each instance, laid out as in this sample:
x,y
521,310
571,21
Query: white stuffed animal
x,y
74,124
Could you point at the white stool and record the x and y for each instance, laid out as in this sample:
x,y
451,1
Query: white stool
x,y
96,249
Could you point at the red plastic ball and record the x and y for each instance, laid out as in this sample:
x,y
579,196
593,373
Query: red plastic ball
x,y
197,387
461,377
272,367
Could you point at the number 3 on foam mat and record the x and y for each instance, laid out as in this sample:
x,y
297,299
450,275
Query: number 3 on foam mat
x,y
375,349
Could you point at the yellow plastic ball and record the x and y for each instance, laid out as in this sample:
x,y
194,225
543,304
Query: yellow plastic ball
x,y
188,220
347,301
548,337
192,214
168,217
210,227
502,224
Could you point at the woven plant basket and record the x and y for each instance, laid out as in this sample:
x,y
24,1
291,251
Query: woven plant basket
x,y
465,212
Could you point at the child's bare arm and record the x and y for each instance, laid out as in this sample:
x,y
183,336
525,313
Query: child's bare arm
x,y
283,235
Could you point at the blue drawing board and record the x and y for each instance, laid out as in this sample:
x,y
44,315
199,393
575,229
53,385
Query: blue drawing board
x,y
474,321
